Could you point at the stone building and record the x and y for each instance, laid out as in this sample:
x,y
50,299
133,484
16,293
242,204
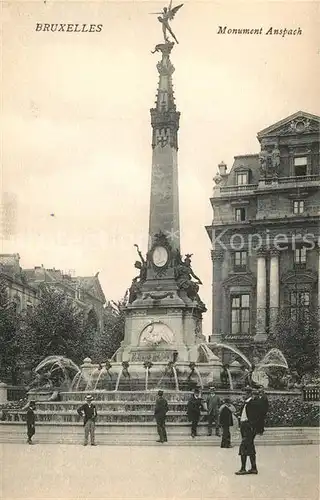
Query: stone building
x,y
19,290
265,233
25,285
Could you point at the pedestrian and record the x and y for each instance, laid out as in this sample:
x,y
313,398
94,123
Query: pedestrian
x,y
89,413
160,413
31,428
249,421
264,408
195,405
226,421
213,404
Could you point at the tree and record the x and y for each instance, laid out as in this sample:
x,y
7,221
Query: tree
x,y
9,339
107,342
55,327
297,337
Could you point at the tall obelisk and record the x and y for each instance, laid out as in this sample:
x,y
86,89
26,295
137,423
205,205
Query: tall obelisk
x,y
164,199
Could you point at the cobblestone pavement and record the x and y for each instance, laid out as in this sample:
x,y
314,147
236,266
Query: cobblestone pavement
x,y
157,472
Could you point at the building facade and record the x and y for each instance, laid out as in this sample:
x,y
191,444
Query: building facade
x,y
25,286
265,233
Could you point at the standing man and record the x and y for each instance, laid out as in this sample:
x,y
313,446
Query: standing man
x,y
89,413
264,408
213,404
226,421
194,408
160,413
31,429
249,422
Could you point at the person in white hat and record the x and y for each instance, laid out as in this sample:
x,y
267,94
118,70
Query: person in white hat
x,y
89,413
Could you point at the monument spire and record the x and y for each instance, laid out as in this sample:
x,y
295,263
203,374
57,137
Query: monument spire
x,y
164,199
164,310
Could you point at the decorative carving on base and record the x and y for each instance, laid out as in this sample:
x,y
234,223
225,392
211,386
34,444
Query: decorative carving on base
x,y
156,333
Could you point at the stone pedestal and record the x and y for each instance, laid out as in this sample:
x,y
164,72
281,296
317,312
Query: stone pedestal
x,y
165,333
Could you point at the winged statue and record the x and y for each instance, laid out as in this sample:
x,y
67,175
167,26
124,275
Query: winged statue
x,y
167,14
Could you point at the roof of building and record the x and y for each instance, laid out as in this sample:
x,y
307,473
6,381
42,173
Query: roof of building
x,y
89,284
303,115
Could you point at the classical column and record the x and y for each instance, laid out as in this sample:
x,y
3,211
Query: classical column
x,y
274,287
217,257
260,335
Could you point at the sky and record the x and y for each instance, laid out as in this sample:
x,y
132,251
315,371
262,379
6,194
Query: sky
x,y
75,121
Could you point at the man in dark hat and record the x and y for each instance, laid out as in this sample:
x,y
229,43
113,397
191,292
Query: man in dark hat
x,y
160,413
226,421
195,405
213,404
250,416
89,413
31,429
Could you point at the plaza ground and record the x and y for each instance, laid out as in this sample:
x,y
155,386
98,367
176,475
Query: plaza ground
x,y
155,472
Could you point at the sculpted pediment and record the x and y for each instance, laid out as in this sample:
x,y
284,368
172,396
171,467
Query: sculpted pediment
x,y
239,279
298,123
300,275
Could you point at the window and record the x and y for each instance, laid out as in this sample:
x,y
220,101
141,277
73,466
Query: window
x,y
300,256
240,314
240,214
300,165
242,178
240,261
299,304
298,207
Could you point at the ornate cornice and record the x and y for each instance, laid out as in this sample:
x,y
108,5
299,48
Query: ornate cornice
x,y
239,279
301,275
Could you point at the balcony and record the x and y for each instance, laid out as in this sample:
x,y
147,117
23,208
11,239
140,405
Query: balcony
x,y
234,190
277,183
292,181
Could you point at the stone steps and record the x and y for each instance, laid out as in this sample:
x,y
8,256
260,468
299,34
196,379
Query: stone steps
x,y
145,435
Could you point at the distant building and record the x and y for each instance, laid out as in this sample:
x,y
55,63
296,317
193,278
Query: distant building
x,y
265,233
20,291
25,285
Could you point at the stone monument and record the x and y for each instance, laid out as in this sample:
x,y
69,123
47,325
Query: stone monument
x,y
164,310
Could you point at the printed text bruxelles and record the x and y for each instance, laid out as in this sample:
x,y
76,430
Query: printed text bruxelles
x,y
75,28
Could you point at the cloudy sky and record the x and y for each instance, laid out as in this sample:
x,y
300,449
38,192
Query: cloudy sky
x,y
76,135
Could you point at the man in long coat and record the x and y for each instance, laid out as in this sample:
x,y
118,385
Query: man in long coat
x,y
31,429
250,422
264,408
195,405
160,413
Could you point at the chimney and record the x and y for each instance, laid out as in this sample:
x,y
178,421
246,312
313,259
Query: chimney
x,y
222,168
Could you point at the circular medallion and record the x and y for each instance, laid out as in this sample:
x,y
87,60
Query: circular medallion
x,y
160,256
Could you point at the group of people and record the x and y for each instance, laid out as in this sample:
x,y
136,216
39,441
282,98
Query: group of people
x,y
220,414
223,414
